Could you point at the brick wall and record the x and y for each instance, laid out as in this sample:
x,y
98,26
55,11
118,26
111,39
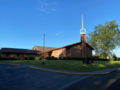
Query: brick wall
x,y
61,52
76,51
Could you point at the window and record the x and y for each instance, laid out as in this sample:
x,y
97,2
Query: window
x,y
36,55
17,55
27,55
58,53
7,55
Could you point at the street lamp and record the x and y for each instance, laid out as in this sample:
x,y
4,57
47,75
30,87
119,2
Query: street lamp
x,y
43,49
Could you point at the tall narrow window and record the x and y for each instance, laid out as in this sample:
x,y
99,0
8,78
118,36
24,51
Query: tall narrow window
x,y
7,55
17,55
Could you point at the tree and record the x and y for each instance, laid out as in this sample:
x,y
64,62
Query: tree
x,y
114,56
105,38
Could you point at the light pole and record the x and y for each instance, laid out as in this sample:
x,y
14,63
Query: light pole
x,y
43,48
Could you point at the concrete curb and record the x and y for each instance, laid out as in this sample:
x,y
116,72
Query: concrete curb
x,y
72,73
64,72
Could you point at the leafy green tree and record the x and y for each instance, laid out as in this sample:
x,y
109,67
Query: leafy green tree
x,y
114,56
105,38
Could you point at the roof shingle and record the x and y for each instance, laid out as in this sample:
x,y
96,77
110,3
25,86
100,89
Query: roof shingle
x,y
40,48
16,50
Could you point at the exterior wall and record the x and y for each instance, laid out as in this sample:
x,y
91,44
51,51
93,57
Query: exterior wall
x,y
76,51
61,52
35,48
88,51
68,52
45,55
81,50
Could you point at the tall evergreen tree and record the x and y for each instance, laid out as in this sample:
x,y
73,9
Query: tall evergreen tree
x,y
105,38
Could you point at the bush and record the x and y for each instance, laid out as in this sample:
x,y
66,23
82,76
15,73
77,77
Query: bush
x,y
51,58
31,58
9,58
17,58
81,58
38,58
26,58
0,58
71,58
114,57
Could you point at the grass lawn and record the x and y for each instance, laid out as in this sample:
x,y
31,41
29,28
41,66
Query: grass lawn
x,y
73,65
14,61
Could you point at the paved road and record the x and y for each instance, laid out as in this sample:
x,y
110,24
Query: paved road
x,y
103,82
14,77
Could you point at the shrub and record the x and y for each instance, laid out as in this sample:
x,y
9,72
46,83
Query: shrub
x,y
114,57
31,58
51,58
60,58
38,58
71,58
26,58
0,58
81,58
17,58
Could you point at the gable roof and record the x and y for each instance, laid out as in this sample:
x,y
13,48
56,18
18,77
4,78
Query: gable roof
x,y
40,48
68,46
16,50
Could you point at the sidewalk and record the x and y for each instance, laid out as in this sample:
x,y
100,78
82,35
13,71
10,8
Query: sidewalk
x,y
99,72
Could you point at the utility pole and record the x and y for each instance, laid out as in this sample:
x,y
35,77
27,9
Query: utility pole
x,y
43,49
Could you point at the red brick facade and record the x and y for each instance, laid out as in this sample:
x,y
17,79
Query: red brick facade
x,y
18,55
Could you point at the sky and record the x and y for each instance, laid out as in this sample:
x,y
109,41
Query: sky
x,y
23,22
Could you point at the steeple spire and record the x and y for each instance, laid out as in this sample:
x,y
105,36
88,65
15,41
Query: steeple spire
x,y
82,21
83,30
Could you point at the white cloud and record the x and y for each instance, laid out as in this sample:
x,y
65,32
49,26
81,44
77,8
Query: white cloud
x,y
58,33
45,6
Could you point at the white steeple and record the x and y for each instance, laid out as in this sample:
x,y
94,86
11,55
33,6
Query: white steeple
x,y
83,30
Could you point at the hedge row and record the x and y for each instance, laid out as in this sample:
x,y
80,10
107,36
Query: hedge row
x,y
51,58
80,58
33,58
9,58
30,58
75,58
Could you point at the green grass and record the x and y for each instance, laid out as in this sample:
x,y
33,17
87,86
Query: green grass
x,y
73,65
14,61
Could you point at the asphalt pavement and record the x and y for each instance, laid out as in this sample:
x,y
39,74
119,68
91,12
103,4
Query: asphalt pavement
x,y
30,77
102,82
21,77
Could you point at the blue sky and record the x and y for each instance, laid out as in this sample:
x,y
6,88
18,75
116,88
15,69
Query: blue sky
x,y
23,22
